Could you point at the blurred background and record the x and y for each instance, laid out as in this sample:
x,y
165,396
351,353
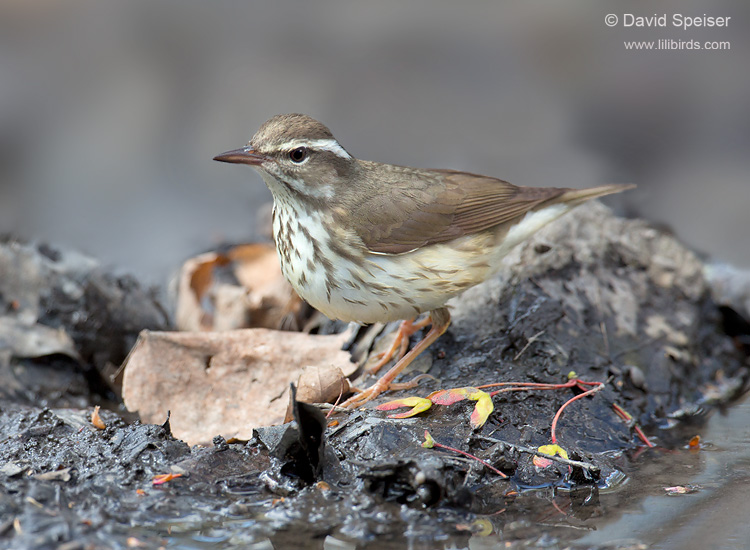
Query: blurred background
x,y
111,111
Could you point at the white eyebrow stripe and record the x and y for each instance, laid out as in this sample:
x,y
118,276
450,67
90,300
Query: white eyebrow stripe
x,y
330,145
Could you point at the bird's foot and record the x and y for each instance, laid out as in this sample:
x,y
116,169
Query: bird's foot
x,y
413,383
367,395
400,343
440,319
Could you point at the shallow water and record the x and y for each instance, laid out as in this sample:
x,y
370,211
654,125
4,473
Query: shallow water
x,y
715,516
637,511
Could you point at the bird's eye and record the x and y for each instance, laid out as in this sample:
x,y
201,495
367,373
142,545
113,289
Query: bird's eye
x,y
298,155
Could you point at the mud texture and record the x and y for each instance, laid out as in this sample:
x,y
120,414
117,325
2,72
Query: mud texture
x,y
612,300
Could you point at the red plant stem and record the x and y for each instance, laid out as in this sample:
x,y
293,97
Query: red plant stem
x,y
599,387
338,400
627,417
518,386
469,455
643,437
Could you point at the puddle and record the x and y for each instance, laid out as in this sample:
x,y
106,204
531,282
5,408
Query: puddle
x,y
713,517
636,513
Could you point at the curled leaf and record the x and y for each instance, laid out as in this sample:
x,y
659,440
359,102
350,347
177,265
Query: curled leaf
x,y
448,397
96,420
428,442
541,462
417,404
482,409
318,384
554,450
163,478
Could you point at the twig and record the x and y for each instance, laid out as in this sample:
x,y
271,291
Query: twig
x,y
528,343
523,449
338,399
329,407
570,526
430,443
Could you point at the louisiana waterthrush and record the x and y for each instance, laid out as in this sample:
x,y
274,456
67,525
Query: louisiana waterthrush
x,y
369,242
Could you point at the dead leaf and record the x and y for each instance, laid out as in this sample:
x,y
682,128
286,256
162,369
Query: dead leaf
x,y
222,383
241,288
482,410
161,479
482,527
322,384
417,404
552,450
449,397
194,281
257,265
96,420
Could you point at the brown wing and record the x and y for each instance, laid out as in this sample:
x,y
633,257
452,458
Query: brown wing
x,y
434,206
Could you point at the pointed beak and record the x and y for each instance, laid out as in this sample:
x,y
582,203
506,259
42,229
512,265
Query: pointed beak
x,y
242,156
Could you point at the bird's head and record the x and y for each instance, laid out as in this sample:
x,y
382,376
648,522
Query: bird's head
x,y
296,155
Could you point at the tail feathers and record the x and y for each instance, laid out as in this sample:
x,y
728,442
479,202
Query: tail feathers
x,y
574,197
535,218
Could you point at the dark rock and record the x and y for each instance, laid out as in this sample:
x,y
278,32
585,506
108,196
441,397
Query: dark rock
x,y
66,322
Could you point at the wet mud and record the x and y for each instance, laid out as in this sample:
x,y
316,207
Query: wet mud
x,y
599,299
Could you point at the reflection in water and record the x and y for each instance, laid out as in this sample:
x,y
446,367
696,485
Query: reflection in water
x,y
713,517
629,511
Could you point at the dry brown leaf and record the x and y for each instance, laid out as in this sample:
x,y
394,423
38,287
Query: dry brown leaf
x,y
196,277
260,297
257,265
222,383
272,302
319,384
322,384
96,420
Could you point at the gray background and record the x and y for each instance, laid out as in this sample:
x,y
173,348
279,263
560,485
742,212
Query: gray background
x,y
110,111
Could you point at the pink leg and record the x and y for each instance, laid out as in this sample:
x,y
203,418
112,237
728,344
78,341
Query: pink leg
x,y
441,320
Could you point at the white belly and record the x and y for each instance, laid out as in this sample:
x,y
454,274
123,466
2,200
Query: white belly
x,y
387,287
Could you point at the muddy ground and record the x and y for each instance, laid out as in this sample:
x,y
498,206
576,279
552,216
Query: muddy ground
x,y
611,300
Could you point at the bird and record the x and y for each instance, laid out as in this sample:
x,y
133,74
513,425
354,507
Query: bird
x,y
369,242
